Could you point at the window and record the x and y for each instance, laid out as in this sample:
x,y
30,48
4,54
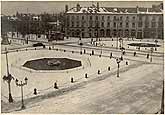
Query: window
x,y
90,17
121,17
146,24
77,24
67,23
147,19
96,17
153,18
108,24
160,18
97,24
68,17
121,24
127,18
82,17
127,24
72,17
90,24
82,24
102,17
133,18
72,24
140,24
133,25
114,18
108,18
102,24
114,24
77,17
153,24
140,18
160,21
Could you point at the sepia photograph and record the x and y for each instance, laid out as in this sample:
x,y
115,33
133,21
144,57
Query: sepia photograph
x,y
82,57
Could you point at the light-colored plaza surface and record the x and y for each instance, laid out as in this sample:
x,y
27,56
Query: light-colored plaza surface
x,y
137,90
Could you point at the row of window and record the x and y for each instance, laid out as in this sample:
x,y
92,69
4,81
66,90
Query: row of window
x,y
120,18
102,24
102,18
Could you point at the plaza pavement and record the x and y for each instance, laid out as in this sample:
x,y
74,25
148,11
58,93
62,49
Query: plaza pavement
x,y
138,90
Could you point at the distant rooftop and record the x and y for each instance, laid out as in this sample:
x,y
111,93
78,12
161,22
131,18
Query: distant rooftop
x,y
113,10
88,10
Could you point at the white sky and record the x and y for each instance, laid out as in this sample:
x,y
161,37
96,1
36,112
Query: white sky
x,y
11,7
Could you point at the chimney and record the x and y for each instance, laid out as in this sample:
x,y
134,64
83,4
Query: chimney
x,y
147,10
137,9
78,7
97,6
161,6
66,8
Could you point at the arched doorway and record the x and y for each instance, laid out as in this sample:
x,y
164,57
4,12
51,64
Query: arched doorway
x,y
108,33
120,34
96,33
72,33
126,34
77,33
133,33
146,34
102,32
114,33
139,34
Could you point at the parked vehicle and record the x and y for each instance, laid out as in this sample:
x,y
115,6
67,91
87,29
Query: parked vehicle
x,y
38,44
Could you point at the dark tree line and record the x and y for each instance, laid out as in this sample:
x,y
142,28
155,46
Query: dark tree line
x,y
30,23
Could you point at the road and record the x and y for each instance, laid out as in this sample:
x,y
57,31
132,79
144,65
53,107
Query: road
x,y
137,90
131,93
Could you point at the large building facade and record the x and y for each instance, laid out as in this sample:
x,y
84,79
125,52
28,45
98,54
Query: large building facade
x,y
98,21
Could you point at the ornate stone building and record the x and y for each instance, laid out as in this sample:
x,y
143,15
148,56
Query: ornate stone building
x,y
98,21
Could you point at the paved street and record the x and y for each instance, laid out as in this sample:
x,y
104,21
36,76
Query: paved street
x,y
131,93
137,90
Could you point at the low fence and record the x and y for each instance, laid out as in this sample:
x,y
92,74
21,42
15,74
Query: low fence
x,y
68,83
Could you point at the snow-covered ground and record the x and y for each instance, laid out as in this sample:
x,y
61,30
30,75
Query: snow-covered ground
x,y
125,45
45,79
131,93
137,90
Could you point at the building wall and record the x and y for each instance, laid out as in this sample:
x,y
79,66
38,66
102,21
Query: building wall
x,y
114,25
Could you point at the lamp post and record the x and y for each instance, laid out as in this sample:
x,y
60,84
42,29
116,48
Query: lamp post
x,y
101,44
21,84
121,40
80,43
162,100
8,78
118,63
156,41
117,33
151,54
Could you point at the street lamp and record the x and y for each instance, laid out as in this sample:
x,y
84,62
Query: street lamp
x,y
117,33
152,49
80,43
101,44
8,78
21,85
118,63
121,40
156,41
162,100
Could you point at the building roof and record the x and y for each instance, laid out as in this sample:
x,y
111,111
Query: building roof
x,y
88,10
121,10
114,10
